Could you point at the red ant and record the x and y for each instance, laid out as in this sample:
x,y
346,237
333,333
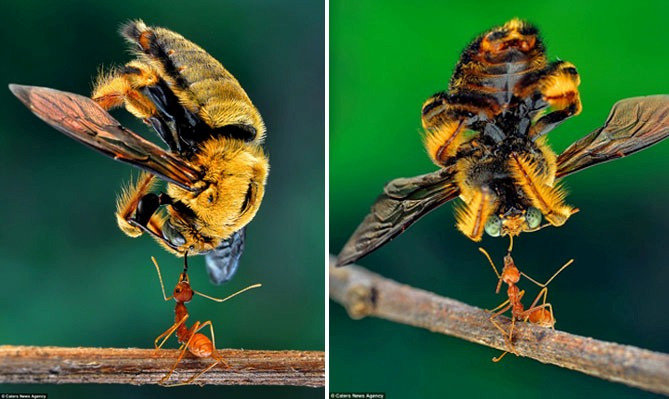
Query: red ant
x,y
537,314
190,339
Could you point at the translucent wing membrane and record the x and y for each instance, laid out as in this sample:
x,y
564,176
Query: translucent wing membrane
x,y
84,120
223,261
402,203
633,124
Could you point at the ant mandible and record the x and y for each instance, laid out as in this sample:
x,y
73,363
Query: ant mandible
x,y
190,339
541,314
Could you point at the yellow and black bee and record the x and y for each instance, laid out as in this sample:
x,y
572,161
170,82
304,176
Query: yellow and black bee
x,y
215,167
487,134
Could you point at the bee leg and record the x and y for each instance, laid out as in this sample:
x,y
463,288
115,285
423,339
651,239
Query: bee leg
x,y
471,217
128,202
173,122
548,199
127,86
136,210
166,131
147,205
559,88
120,87
445,117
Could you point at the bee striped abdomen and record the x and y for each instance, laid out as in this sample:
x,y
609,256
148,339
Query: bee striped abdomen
x,y
486,83
200,82
495,62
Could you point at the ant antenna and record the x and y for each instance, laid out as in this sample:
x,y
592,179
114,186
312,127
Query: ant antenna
x,y
160,277
229,296
550,279
484,252
499,277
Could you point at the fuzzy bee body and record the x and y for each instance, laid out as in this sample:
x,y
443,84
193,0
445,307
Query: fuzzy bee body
x,y
200,83
215,168
486,133
490,123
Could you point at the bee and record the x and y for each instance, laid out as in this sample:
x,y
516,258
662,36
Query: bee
x,y
215,166
487,134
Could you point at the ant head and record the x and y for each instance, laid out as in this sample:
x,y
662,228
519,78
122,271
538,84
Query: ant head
x,y
510,273
183,292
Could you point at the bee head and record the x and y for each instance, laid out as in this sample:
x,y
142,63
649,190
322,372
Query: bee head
x,y
513,222
233,186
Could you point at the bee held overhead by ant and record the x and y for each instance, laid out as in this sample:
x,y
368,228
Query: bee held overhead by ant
x,y
487,134
191,339
537,313
215,167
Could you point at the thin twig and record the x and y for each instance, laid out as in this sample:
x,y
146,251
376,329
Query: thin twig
x,y
54,365
364,293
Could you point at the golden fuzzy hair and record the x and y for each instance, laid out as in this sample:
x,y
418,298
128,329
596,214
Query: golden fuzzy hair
x,y
471,216
549,200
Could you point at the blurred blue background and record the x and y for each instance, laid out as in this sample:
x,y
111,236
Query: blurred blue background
x,y
70,277
386,58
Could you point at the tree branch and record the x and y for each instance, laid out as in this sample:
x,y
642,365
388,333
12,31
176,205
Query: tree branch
x,y
364,293
54,365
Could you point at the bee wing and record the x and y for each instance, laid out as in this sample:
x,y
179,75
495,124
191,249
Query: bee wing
x,y
223,261
633,124
402,203
84,120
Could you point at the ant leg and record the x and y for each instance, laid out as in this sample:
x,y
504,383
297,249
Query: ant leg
x,y
181,355
190,380
506,341
535,317
500,328
498,358
168,332
542,294
214,354
500,306
218,360
499,277
569,262
513,349
160,278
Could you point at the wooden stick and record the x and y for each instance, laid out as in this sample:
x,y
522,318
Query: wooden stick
x,y
54,365
364,293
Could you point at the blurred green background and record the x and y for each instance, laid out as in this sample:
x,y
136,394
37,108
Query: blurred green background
x,y
70,277
386,58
